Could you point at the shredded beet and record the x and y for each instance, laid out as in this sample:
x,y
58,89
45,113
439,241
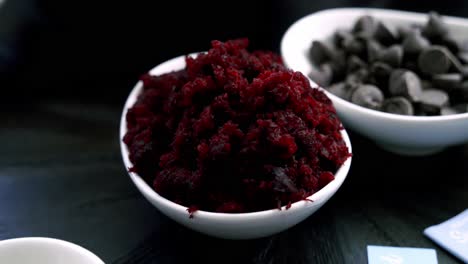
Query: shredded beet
x,y
235,131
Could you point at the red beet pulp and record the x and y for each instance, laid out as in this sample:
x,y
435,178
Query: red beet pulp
x,y
235,131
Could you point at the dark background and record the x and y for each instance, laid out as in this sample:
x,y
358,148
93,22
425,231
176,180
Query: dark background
x,y
66,68
96,50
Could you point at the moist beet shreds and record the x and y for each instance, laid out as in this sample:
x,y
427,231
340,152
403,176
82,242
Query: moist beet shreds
x,y
235,131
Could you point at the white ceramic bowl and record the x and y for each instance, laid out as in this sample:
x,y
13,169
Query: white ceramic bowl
x,y
224,225
406,135
42,250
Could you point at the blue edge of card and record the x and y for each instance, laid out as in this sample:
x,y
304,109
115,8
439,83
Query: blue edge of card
x,y
400,255
452,235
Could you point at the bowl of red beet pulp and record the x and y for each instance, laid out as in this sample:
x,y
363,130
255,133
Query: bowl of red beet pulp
x,y
231,143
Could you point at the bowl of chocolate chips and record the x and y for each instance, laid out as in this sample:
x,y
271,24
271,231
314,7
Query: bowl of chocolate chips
x,y
398,78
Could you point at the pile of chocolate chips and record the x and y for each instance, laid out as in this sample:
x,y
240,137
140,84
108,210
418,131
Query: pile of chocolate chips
x,y
410,70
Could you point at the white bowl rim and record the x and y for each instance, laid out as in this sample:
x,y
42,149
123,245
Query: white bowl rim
x,y
357,108
324,193
55,242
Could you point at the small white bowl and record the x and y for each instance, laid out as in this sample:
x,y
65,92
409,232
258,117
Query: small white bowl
x,y
42,250
405,135
225,225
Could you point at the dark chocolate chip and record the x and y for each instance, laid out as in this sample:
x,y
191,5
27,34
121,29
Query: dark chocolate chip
x,y
414,44
355,63
357,77
350,88
447,81
404,31
322,75
432,100
435,26
339,89
434,60
411,65
354,46
380,73
340,36
381,70
398,105
320,52
405,83
392,55
365,26
373,50
368,96
386,33
338,64
363,37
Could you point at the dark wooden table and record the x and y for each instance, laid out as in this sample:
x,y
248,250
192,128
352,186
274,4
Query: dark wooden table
x,y
61,176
